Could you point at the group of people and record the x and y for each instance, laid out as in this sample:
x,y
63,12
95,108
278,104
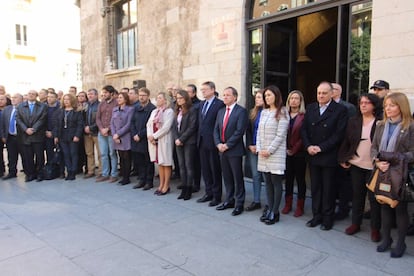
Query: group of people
x,y
208,139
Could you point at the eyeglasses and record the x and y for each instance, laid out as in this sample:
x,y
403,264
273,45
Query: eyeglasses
x,y
364,102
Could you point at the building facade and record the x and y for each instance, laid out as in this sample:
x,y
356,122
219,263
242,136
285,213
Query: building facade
x,y
248,44
40,45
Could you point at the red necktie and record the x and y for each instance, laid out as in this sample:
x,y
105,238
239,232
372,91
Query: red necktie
x,y
226,119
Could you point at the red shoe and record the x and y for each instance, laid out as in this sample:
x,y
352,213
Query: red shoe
x,y
354,228
375,235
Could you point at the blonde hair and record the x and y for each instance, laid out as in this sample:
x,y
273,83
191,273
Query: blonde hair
x,y
254,112
302,101
401,100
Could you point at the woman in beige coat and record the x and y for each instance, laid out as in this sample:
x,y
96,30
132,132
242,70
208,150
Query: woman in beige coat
x,y
160,141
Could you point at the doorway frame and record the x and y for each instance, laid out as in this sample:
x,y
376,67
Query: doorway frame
x,y
252,24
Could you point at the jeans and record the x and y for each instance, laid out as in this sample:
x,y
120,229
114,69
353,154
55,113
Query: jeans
x,y
256,176
108,156
70,154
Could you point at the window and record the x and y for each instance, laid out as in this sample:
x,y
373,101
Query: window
x,y
21,35
126,34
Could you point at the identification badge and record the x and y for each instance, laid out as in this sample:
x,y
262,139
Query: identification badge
x,y
385,187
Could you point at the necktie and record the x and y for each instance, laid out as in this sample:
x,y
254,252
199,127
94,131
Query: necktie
x,y
226,119
12,125
205,108
31,105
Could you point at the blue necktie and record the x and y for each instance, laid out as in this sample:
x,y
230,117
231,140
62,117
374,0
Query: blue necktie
x,y
12,125
205,108
31,105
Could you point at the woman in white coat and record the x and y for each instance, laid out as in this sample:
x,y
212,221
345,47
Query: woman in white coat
x,y
271,149
160,141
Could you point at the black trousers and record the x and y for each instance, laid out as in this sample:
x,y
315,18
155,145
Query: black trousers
x,y
211,172
186,161
359,179
343,189
323,193
232,167
34,159
13,151
296,168
2,167
197,169
144,167
125,163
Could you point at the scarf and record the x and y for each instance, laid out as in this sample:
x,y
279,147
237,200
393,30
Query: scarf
x,y
157,118
389,144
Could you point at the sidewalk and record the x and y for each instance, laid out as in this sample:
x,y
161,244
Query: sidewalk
x,y
85,228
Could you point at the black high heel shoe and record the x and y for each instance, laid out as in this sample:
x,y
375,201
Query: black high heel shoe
x,y
157,192
164,193
398,251
272,218
384,246
265,215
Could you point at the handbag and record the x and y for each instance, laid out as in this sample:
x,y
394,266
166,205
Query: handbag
x,y
407,189
372,181
387,185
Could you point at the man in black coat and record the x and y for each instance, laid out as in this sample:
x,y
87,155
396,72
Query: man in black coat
x,y
139,142
322,132
31,120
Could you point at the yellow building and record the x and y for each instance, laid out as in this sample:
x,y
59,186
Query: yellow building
x,y
248,44
39,45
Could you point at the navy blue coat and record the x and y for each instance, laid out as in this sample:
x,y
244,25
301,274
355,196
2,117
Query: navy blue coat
x,y
139,127
206,124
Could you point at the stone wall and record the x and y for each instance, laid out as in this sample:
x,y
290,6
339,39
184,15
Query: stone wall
x,y
179,41
392,51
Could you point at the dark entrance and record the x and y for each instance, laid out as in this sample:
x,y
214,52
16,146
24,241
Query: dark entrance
x,y
298,52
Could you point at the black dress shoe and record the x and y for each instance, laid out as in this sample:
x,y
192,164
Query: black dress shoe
x,y
253,206
139,185
214,202
205,198
9,176
225,206
237,211
29,178
148,186
39,179
313,223
326,227
124,182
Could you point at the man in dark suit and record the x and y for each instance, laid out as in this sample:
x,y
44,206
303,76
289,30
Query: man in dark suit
x,y
31,120
322,132
209,158
343,187
231,124
3,104
9,134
